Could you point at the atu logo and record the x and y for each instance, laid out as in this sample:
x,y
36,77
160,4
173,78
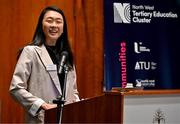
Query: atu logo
x,y
122,13
143,65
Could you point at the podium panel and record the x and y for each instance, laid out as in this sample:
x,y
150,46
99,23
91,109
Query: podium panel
x,y
106,108
152,107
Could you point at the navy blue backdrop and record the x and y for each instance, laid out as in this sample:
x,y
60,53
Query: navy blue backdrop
x,y
142,43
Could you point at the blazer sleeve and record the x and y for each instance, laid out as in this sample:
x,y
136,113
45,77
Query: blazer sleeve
x,y
75,90
19,83
72,94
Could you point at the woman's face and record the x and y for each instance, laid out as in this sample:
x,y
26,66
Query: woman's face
x,y
52,25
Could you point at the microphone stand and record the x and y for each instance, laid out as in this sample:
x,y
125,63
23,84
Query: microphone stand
x,y
61,99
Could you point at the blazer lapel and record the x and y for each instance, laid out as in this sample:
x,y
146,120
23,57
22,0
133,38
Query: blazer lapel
x,y
46,60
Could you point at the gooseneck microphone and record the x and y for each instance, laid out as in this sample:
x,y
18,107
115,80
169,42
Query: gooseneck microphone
x,y
63,59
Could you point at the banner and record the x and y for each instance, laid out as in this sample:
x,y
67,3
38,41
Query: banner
x,y
142,43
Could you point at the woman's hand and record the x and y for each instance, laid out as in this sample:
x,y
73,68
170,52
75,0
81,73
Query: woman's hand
x,y
46,106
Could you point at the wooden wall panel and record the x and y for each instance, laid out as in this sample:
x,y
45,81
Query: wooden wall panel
x,y
89,46
85,28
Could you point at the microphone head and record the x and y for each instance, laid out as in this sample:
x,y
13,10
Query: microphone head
x,y
64,53
63,60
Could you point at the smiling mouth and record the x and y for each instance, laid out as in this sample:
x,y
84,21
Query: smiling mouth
x,y
53,32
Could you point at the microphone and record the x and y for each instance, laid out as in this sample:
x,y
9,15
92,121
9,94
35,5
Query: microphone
x,y
64,56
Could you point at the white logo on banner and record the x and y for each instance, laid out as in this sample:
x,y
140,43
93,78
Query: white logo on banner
x,y
145,83
138,48
125,13
122,13
142,65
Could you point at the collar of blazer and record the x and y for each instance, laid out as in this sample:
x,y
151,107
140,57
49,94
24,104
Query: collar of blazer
x,y
46,60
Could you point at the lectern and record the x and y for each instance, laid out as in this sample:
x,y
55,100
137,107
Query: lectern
x,y
123,107
105,108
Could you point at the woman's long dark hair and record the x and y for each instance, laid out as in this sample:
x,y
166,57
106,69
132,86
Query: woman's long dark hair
x,y
62,43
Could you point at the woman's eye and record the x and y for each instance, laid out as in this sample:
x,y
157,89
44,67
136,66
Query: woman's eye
x,y
49,21
58,22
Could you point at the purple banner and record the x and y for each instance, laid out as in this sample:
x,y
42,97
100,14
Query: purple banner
x,y
142,44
